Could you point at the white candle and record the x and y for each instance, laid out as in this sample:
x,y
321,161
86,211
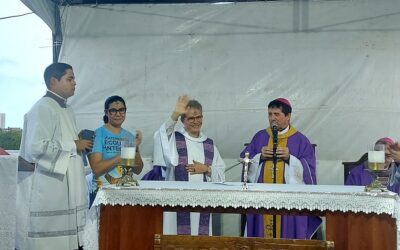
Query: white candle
x,y
376,156
128,152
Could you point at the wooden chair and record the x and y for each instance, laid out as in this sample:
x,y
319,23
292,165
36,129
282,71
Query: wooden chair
x,y
349,165
186,242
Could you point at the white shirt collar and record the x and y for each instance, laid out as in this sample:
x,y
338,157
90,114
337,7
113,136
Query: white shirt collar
x,y
65,100
284,131
201,137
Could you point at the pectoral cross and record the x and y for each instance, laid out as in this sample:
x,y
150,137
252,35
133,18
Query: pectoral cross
x,y
246,160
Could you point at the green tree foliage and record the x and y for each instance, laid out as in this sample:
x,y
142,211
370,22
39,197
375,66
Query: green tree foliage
x,y
10,140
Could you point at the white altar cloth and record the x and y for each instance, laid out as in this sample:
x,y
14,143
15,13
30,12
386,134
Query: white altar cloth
x,y
8,190
311,197
230,194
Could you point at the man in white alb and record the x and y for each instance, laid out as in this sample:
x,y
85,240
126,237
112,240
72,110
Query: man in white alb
x,y
58,202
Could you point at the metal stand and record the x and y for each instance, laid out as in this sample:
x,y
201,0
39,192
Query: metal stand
x,y
376,186
274,160
246,160
127,179
380,178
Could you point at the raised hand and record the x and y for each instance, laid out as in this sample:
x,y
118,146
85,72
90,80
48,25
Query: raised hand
x,y
394,151
395,146
180,107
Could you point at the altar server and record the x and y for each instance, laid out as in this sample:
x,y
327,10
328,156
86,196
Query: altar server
x,y
50,141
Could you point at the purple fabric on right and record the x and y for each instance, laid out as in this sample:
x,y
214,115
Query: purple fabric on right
x,y
359,176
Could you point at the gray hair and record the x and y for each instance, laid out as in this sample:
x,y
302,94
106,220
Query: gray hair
x,y
192,104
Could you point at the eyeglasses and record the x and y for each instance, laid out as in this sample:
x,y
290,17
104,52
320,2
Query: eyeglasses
x,y
194,118
121,111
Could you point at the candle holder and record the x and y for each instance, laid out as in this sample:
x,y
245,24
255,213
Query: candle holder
x,y
128,153
376,165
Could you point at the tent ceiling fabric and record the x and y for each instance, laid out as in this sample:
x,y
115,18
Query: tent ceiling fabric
x,y
99,2
45,9
338,62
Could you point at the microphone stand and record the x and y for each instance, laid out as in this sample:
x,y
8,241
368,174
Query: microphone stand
x,y
274,147
274,160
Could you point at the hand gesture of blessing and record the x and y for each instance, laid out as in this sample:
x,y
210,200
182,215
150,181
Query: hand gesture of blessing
x,y
180,107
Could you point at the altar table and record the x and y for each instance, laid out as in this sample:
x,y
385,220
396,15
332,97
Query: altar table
x,y
8,208
130,216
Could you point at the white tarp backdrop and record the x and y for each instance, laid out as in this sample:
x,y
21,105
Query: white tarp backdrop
x,y
338,62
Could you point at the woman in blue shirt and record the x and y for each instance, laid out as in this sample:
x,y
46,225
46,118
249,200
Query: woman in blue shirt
x,y
106,153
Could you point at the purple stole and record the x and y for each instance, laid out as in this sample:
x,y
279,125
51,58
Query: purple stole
x,y
154,175
181,174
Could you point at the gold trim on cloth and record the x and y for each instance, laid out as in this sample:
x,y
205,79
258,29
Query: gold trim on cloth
x,y
268,178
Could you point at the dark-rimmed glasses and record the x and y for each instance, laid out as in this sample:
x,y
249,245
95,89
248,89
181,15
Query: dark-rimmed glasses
x,y
194,118
121,111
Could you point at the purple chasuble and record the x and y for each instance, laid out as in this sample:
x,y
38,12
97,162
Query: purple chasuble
x,y
181,174
292,227
359,176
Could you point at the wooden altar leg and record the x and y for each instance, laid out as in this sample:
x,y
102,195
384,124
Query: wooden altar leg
x,y
350,231
129,227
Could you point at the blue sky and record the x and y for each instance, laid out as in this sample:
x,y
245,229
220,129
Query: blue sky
x,y
25,51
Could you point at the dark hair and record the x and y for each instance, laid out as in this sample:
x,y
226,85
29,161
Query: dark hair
x,y
286,109
56,70
192,104
109,100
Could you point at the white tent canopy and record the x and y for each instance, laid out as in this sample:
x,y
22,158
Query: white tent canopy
x,y
338,62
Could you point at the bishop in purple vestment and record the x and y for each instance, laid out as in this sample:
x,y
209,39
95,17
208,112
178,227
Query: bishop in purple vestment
x,y
292,155
394,151
361,176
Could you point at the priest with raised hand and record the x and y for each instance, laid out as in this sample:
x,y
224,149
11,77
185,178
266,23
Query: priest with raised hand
x,y
187,154
283,147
